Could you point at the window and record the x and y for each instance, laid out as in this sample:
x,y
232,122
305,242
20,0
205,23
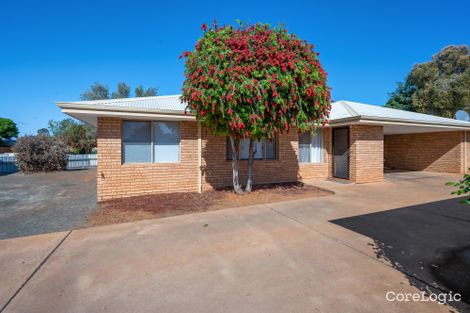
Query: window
x,y
144,142
264,149
137,142
311,147
166,142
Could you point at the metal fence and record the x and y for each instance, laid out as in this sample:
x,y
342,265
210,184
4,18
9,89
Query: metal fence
x,y
82,161
75,161
7,163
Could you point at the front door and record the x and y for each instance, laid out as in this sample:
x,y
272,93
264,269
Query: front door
x,y
341,152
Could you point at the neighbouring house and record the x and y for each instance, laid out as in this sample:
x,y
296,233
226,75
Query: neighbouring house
x,y
149,145
6,145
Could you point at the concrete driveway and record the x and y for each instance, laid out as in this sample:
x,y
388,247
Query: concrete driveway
x,y
341,253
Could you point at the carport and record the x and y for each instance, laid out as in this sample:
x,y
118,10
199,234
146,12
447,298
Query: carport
x,y
369,139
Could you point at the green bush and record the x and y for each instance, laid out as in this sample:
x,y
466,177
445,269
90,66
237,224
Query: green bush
x,y
41,154
463,187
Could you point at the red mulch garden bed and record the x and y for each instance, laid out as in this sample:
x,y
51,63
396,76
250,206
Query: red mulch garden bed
x,y
170,204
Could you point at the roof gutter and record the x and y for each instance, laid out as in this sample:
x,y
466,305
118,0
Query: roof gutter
x,y
103,108
392,121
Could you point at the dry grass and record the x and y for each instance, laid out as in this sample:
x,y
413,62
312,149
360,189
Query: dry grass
x,y
170,204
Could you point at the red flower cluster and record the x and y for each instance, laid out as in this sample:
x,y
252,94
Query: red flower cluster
x,y
255,81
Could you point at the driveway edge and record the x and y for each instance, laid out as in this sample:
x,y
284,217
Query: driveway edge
x,y
35,271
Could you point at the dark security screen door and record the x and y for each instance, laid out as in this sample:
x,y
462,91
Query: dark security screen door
x,y
341,152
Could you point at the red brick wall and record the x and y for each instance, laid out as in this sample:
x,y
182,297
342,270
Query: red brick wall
x,y
439,152
117,180
218,170
366,153
465,163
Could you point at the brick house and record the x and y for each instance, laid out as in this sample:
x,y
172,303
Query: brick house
x,y
148,145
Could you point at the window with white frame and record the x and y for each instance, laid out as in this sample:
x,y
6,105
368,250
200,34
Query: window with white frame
x,y
264,149
145,142
311,147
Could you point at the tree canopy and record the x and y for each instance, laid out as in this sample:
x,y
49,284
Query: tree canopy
x,y
254,81
99,91
439,87
80,137
8,129
149,92
123,91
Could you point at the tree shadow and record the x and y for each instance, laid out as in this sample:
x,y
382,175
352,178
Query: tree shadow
x,y
429,242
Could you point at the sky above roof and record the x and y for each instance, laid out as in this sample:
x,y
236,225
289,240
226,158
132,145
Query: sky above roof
x,y
54,50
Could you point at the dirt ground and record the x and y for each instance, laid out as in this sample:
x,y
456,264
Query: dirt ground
x,y
39,203
163,205
32,204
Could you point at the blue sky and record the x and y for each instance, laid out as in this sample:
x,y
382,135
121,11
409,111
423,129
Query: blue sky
x,y
54,50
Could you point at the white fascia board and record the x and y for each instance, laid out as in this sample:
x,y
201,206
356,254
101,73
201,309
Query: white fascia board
x,y
131,115
93,107
366,120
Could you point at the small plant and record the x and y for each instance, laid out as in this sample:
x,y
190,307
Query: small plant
x,y
463,186
41,154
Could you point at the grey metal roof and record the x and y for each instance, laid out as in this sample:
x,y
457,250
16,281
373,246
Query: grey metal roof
x,y
347,110
158,103
341,111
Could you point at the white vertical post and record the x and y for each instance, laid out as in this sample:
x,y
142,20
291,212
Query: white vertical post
x,y
465,152
199,158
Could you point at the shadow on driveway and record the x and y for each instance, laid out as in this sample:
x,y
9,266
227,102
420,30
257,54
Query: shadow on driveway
x,y
429,242
45,202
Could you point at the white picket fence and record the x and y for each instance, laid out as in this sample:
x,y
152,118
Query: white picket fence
x,y
75,161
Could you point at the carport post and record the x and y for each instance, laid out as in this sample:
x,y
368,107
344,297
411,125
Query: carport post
x,y
465,152
199,158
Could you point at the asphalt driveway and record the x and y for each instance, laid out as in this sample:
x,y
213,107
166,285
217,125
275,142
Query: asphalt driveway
x,y
45,202
340,253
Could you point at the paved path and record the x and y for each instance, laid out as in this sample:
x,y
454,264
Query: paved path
x,y
45,202
313,255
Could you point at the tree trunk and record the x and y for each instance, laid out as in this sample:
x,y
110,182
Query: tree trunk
x,y
251,159
235,143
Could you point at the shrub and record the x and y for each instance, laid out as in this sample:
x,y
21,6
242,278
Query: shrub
x,y
463,188
40,154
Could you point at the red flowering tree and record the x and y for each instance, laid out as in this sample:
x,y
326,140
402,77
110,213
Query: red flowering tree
x,y
254,82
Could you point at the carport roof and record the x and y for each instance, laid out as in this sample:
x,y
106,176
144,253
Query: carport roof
x,y
347,110
394,121
342,113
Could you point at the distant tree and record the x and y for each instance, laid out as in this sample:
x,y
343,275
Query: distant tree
x,y
439,87
44,132
97,92
80,137
149,92
123,91
401,98
8,129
